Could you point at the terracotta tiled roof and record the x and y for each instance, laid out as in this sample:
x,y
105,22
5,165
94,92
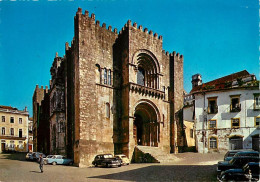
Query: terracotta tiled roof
x,y
220,82
8,107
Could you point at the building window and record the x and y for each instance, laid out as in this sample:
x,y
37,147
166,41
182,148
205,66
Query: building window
x,y
21,144
191,133
20,133
212,124
212,105
235,105
11,145
105,76
12,131
257,101
12,120
235,123
20,120
257,121
212,142
107,110
109,77
61,127
98,74
3,118
3,130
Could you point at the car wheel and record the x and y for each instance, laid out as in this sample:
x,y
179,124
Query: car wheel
x,y
45,162
107,165
70,164
54,163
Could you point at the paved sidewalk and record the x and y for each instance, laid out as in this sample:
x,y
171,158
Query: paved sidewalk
x,y
189,167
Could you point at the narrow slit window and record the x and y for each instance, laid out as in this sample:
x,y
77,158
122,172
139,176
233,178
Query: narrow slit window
x,y
105,76
107,110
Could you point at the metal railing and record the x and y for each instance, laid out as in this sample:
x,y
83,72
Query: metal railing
x,y
236,108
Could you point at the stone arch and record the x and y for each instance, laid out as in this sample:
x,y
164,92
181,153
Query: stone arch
x,y
145,52
147,67
146,124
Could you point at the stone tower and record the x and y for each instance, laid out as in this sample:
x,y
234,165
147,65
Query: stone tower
x,y
121,90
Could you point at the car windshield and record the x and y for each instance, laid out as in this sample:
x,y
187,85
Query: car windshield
x,y
231,154
108,156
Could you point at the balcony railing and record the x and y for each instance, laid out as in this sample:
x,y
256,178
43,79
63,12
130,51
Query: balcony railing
x,y
236,108
12,137
213,109
147,91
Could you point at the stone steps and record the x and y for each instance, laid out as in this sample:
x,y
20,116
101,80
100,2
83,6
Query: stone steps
x,y
158,154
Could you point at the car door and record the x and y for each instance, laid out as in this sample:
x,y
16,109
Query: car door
x,y
59,160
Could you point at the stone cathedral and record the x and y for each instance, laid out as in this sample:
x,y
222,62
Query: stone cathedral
x,y
111,92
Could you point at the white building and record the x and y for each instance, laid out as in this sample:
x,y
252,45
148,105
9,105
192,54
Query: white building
x,y
227,112
14,129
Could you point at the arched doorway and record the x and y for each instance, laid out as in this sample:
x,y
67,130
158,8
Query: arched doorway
x,y
146,128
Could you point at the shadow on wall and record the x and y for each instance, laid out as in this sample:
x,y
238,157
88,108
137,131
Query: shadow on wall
x,y
165,173
248,141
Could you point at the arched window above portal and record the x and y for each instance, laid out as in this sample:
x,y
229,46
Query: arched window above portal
x,y
148,69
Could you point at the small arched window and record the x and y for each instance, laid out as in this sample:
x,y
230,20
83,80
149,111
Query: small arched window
x,y
212,142
98,74
105,76
109,77
107,110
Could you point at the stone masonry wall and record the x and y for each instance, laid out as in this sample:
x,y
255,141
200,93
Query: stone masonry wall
x,y
95,47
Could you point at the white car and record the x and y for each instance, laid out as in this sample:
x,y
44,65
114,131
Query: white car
x,y
125,160
45,159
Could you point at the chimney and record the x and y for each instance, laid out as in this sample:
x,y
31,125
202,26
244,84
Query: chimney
x,y
196,80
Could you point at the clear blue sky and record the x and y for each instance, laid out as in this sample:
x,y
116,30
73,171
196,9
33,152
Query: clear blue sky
x,y
216,37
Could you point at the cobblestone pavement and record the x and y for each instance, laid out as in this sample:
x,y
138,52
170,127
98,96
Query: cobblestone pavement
x,y
188,167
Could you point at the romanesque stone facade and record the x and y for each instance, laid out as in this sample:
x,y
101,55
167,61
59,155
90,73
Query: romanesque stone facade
x,y
120,90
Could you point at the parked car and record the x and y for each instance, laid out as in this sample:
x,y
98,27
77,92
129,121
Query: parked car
x,y
235,163
29,156
247,153
230,154
106,160
250,172
45,159
59,159
125,160
36,156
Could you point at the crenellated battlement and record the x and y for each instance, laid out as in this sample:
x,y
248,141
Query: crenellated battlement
x,y
178,55
140,28
92,17
129,24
